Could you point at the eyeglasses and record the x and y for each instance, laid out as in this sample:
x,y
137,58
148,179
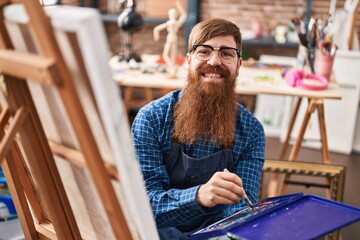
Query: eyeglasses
x,y
205,52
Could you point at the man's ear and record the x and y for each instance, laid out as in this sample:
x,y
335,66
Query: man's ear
x,y
239,62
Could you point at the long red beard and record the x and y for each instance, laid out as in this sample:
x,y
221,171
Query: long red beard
x,y
207,110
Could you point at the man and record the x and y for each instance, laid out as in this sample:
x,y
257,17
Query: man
x,y
186,139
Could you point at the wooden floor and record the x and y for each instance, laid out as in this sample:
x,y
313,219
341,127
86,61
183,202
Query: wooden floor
x,y
352,180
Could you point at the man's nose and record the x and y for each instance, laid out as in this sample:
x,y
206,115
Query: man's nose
x,y
214,59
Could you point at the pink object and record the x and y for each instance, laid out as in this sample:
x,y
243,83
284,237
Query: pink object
x,y
324,64
256,28
295,78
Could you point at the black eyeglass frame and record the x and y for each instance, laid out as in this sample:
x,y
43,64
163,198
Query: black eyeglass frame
x,y
193,48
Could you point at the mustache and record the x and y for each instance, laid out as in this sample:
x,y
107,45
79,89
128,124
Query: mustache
x,y
205,69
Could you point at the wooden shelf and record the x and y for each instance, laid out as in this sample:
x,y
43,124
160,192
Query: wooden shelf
x,y
110,17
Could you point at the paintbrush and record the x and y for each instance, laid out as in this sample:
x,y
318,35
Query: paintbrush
x,y
246,199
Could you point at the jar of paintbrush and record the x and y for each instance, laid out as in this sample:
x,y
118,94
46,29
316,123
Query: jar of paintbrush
x,y
324,57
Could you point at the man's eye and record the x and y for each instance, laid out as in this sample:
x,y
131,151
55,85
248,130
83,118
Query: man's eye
x,y
204,52
228,53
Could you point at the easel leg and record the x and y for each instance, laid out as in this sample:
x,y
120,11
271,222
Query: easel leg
x,y
273,183
291,126
295,149
18,196
324,143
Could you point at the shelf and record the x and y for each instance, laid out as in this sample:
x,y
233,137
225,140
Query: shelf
x,y
268,42
110,18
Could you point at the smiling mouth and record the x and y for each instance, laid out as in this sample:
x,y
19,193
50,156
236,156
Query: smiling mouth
x,y
211,77
213,73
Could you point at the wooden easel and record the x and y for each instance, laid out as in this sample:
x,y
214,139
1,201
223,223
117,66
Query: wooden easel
x,y
278,186
39,195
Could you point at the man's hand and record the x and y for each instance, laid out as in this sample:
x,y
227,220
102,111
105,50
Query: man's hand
x,y
222,188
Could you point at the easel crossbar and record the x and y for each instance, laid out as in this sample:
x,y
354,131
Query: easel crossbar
x,y
32,66
77,158
9,136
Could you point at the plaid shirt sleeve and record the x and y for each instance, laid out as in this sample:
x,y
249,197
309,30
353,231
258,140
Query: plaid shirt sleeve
x,y
171,207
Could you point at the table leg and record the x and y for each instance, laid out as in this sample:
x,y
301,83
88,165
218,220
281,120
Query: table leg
x,y
148,95
128,98
249,102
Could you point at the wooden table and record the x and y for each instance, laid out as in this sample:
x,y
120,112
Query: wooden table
x,y
251,81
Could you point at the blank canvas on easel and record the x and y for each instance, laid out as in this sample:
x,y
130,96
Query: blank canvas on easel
x,y
82,41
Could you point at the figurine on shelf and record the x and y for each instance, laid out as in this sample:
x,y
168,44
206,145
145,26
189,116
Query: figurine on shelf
x,y
129,22
170,48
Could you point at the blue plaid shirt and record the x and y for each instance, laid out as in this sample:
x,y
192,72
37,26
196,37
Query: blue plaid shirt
x,y
151,132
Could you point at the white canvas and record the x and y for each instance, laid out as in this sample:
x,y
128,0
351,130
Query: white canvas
x,y
106,115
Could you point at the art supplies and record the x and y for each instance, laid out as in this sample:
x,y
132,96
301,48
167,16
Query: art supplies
x,y
315,38
293,216
246,199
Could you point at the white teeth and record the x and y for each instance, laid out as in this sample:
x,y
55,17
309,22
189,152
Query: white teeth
x,y
212,75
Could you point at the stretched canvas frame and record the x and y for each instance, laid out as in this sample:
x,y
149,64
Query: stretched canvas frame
x,y
82,41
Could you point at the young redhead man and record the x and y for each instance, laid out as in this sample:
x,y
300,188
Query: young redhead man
x,y
186,139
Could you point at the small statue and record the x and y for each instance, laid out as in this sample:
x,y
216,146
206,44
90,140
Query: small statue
x,y
170,48
129,21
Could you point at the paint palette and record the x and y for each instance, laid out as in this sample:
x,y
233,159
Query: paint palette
x,y
221,227
293,216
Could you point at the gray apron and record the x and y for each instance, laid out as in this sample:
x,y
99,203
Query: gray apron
x,y
186,172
